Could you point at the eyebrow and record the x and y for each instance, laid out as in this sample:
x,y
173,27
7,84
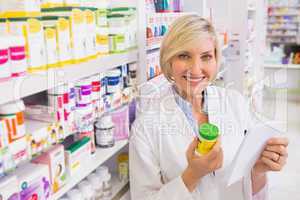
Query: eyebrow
x,y
206,52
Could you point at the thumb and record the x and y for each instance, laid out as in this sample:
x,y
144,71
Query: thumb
x,y
192,147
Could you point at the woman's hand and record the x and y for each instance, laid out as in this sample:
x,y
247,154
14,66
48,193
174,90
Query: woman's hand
x,y
199,166
273,158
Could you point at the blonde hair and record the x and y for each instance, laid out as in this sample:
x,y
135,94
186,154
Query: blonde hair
x,y
181,36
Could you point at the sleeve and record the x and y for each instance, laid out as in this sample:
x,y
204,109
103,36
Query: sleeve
x,y
145,173
251,120
261,195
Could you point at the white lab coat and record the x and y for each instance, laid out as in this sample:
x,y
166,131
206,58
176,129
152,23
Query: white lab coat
x,y
160,137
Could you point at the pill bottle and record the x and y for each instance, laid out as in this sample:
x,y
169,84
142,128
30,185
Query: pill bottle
x,y
5,72
104,130
113,81
97,185
208,135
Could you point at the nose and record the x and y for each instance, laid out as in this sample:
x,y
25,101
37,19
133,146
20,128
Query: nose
x,y
197,66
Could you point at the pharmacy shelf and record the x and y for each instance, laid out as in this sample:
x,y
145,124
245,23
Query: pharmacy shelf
x,y
97,159
117,187
40,81
154,43
126,196
282,66
283,14
269,35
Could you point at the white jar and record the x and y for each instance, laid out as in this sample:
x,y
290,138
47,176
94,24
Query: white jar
x,y
102,40
105,177
13,112
96,184
17,55
4,59
107,187
104,130
113,81
86,190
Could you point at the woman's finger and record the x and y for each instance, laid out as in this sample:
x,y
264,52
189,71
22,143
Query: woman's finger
x,y
191,149
271,155
278,141
272,165
215,150
280,149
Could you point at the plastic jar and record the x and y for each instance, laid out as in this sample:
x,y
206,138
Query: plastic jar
x,y
72,96
74,194
96,184
35,41
83,90
64,40
102,40
132,74
90,29
86,190
84,117
17,55
107,187
5,72
104,130
104,175
123,167
78,33
103,80
208,135
101,16
113,81
57,97
13,112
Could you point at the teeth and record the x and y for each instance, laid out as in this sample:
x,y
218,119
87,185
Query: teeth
x,y
192,79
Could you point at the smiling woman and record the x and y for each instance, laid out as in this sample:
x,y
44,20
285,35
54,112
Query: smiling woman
x,y
163,162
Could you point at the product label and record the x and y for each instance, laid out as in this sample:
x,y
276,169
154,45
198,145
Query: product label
x,y
17,53
34,26
102,39
89,16
104,138
63,24
51,46
3,56
77,16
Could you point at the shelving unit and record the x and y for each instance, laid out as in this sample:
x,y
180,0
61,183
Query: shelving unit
x,y
97,159
278,17
37,82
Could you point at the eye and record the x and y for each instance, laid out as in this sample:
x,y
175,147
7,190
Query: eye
x,y
206,57
183,56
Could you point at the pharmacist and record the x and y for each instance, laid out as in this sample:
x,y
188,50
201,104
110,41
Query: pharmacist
x,y
164,164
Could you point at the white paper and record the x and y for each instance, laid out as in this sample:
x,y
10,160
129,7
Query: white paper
x,y
250,151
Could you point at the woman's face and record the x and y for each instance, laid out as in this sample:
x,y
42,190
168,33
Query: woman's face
x,y
193,69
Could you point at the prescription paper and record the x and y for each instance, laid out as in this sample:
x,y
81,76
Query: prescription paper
x,y
250,151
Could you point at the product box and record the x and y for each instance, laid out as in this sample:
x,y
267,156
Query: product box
x,y
9,188
55,159
33,181
77,155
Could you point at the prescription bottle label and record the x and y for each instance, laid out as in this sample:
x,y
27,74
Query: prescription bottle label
x,y
77,16
102,39
208,135
62,24
205,147
34,26
3,56
50,33
89,16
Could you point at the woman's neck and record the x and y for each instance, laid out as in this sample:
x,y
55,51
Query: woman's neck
x,y
195,100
